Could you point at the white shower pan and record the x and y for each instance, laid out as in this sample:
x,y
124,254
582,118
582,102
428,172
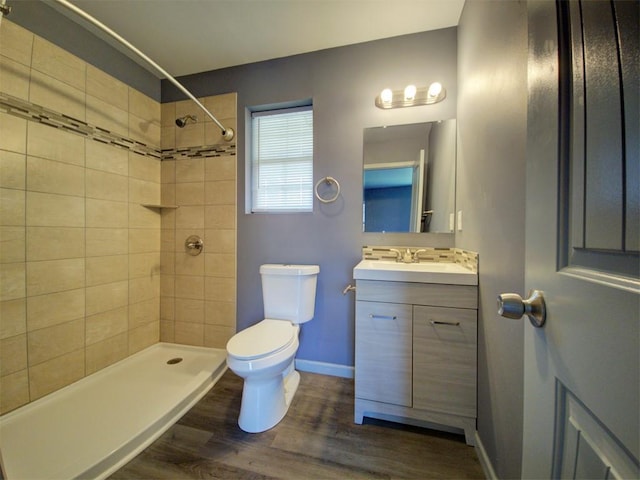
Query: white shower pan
x,y
93,427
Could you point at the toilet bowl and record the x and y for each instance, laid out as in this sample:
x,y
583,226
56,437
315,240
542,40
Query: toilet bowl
x,y
263,354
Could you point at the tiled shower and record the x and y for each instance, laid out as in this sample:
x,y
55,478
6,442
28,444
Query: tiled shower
x,y
89,275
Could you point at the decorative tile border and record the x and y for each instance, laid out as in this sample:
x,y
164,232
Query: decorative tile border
x,y
30,111
199,152
465,258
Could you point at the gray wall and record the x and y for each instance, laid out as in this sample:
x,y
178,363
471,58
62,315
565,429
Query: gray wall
x,y
492,110
343,83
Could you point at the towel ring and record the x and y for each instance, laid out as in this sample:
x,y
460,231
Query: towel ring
x,y
328,181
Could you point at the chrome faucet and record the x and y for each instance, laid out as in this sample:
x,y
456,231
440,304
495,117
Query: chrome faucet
x,y
416,254
397,252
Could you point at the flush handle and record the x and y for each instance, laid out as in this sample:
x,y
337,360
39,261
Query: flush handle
x,y
511,305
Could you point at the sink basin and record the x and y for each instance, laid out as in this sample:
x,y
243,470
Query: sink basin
x,y
424,272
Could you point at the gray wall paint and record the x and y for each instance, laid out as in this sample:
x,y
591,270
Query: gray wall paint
x,y
343,83
51,25
492,109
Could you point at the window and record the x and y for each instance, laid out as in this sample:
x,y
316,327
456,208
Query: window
x,y
282,160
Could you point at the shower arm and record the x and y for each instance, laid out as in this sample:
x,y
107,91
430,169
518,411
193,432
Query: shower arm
x,y
227,133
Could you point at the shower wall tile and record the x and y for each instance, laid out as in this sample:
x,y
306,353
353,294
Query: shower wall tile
x,y
198,307
191,193
221,193
53,243
143,313
143,337
11,207
105,87
220,216
222,106
49,176
221,240
189,170
107,213
141,191
48,343
81,258
189,310
144,288
107,324
102,298
220,313
14,317
143,240
14,133
189,217
12,170
107,241
144,168
16,43
12,241
107,186
55,144
52,210
12,281
49,92
54,276
13,354
109,269
189,333
190,135
54,374
58,63
220,168
55,308
14,78
213,134
107,158
109,117
216,336
14,390
102,354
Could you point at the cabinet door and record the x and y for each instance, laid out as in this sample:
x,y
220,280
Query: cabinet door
x,y
444,359
383,352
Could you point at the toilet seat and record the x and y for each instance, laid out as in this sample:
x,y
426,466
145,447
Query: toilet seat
x,y
264,338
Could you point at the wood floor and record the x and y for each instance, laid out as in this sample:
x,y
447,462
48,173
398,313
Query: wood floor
x,y
316,440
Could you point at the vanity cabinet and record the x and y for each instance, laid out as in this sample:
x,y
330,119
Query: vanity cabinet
x,y
415,354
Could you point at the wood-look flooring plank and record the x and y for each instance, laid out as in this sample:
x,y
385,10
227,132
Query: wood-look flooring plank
x,y
316,440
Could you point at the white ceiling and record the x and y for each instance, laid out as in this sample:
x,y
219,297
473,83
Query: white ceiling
x,y
191,36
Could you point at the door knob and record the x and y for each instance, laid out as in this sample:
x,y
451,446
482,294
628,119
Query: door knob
x,y
511,305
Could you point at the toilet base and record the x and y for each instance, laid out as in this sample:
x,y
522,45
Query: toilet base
x,y
266,401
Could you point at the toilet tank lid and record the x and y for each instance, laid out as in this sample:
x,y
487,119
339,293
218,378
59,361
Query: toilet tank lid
x,y
287,269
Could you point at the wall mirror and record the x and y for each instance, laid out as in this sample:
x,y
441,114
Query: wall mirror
x,y
409,177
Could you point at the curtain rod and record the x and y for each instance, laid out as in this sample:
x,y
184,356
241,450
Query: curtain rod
x,y
227,133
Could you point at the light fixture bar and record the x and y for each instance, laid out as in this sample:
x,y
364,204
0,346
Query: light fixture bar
x,y
408,97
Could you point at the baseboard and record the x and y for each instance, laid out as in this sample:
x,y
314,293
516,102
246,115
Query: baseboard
x,y
487,467
333,369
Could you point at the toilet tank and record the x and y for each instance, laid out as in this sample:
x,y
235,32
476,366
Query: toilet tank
x,y
289,291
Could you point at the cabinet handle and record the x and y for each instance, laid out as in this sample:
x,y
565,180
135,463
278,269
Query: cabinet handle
x,y
437,322
385,317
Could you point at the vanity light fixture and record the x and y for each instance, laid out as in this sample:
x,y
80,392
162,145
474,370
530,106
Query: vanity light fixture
x,y
411,96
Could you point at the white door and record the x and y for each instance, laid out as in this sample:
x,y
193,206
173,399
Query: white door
x,y
417,193
582,368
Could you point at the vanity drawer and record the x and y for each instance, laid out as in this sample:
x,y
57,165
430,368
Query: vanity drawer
x,y
444,359
383,352
435,294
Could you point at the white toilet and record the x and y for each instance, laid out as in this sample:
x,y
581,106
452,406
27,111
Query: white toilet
x,y
263,354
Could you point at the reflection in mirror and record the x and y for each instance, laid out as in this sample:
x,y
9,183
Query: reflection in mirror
x,y
409,177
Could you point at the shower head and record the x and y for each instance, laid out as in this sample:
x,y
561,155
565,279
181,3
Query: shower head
x,y
182,121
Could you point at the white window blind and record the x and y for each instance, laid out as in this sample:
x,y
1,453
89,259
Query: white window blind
x,y
282,160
